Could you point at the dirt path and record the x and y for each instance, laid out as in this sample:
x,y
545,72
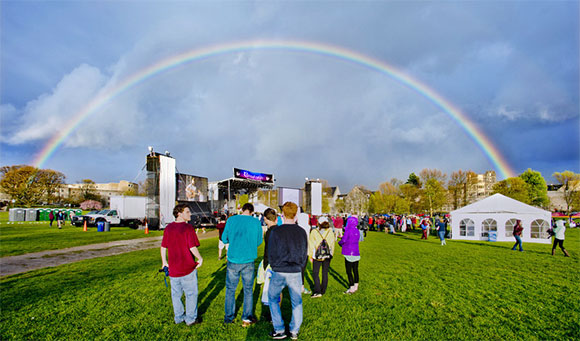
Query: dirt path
x,y
38,260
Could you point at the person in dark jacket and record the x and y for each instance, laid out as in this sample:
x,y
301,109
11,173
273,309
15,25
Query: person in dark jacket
x,y
287,254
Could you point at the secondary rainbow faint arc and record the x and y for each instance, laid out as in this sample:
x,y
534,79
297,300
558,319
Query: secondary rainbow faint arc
x,y
106,96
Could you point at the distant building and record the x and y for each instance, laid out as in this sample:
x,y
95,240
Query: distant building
x,y
482,186
103,190
332,193
556,196
357,200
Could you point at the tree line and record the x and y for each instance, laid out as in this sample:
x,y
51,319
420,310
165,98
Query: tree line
x,y
431,192
28,186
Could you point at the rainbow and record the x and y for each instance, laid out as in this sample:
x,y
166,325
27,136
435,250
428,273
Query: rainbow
x,y
109,94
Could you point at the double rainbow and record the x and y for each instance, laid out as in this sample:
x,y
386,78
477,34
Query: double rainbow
x,y
108,95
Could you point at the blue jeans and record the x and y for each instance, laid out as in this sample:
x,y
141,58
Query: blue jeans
x,y
188,285
518,242
278,281
441,235
234,271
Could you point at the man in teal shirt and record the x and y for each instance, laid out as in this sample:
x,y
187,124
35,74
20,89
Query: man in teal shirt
x,y
244,234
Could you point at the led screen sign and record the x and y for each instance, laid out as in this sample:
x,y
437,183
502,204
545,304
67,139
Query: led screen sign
x,y
245,174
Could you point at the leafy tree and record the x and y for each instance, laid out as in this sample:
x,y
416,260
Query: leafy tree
x,y
268,198
427,174
325,202
396,182
402,206
132,191
339,205
434,195
380,203
515,188
461,186
575,202
414,180
455,187
89,190
50,180
242,199
29,185
570,182
412,195
388,188
537,188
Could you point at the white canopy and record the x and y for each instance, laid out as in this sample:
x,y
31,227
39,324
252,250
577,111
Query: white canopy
x,y
498,213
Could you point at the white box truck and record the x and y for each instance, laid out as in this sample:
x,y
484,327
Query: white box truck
x,y
125,211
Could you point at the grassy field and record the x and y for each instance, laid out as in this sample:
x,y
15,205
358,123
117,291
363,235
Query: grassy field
x,y
409,289
26,237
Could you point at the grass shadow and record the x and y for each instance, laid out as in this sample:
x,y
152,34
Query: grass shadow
x,y
499,246
212,290
337,277
308,276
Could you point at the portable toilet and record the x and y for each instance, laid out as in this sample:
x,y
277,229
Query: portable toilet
x,y
31,214
42,214
16,214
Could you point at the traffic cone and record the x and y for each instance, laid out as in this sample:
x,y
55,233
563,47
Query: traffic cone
x,y
146,228
85,226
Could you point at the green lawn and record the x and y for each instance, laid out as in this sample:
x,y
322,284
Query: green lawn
x,y
26,237
409,289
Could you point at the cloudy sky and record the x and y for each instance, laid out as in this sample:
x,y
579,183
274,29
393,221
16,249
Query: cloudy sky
x,y
512,67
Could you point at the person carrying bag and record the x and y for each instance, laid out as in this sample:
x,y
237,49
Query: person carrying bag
x,y
320,251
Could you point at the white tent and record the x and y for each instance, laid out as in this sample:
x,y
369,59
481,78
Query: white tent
x,y
499,213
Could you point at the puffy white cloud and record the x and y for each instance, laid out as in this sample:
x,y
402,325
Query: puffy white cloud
x,y
43,117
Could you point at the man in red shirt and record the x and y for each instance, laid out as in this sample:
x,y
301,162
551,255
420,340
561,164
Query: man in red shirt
x,y
313,221
180,240
338,224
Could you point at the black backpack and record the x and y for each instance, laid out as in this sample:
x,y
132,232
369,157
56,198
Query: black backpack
x,y
323,249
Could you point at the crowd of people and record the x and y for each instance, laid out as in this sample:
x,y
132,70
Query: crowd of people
x,y
60,217
291,240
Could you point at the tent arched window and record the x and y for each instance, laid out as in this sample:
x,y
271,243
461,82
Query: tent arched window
x,y
467,228
539,228
509,227
488,225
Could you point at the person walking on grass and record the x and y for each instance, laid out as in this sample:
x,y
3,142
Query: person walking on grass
x,y
350,251
518,235
425,227
244,234
320,254
271,221
304,221
287,254
51,218
441,231
59,219
221,225
559,236
338,224
180,241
